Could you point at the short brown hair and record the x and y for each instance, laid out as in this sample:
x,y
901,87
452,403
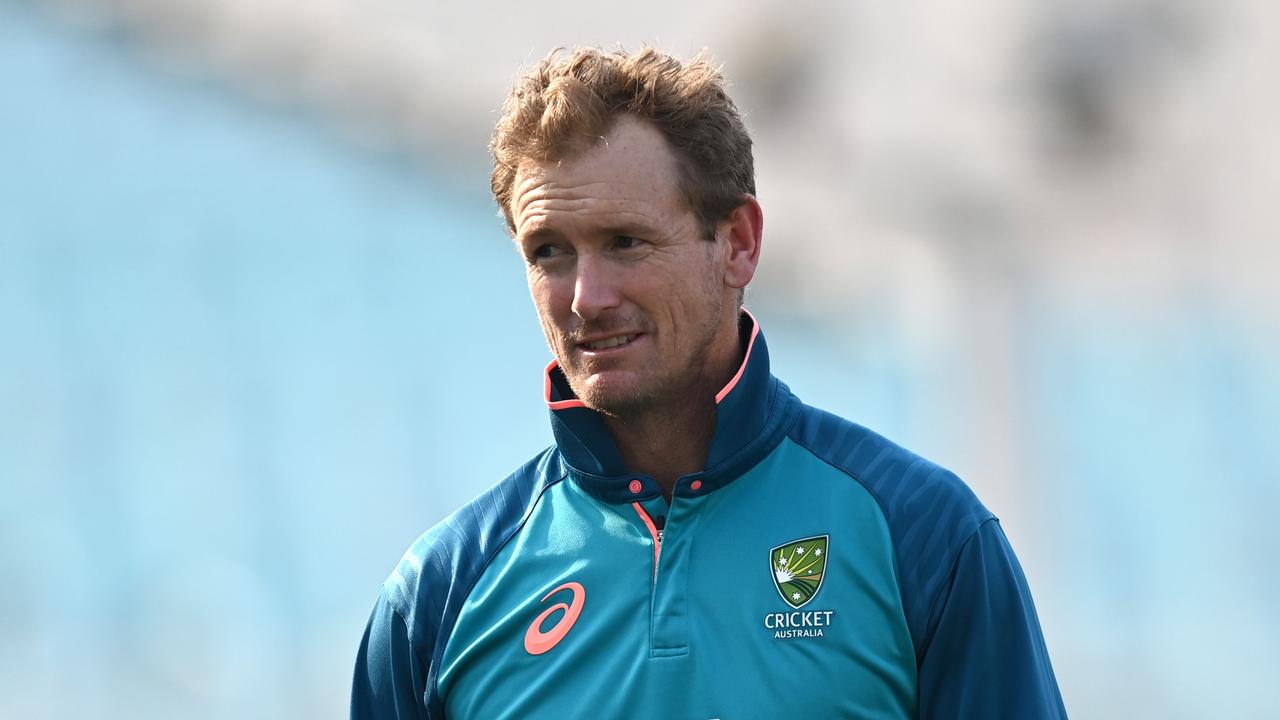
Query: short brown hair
x,y
564,104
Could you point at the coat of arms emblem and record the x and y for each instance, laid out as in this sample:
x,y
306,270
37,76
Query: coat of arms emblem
x,y
798,567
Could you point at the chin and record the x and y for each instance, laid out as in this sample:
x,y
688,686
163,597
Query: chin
x,y
614,398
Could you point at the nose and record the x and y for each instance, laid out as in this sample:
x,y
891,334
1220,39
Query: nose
x,y
595,290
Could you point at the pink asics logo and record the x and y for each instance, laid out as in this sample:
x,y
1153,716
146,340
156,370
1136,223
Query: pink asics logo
x,y
536,641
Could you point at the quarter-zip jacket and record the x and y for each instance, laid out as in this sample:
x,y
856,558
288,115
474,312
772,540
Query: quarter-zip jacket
x,y
811,569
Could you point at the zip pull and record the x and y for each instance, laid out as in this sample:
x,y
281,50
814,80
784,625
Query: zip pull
x,y
654,532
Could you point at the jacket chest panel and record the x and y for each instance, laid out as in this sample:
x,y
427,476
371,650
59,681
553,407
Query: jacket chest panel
x,y
717,631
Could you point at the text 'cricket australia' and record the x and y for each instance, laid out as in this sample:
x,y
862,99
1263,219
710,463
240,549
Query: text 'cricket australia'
x,y
798,624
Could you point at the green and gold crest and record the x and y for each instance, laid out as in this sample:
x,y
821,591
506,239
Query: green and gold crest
x,y
798,567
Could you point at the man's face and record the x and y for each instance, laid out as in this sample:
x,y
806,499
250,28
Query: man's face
x,y
630,294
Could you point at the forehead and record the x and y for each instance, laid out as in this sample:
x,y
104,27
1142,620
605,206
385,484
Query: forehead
x,y
630,171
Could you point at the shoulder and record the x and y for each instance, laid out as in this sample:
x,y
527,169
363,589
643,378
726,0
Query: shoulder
x,y
907,486
436,573
930,512
399,658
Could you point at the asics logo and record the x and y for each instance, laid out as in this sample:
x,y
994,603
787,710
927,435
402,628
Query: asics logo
x,y
537,642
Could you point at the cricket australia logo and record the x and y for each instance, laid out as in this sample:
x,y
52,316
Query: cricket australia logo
x,y
798,568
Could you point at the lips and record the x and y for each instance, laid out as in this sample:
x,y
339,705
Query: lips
x,y
610,342
600,344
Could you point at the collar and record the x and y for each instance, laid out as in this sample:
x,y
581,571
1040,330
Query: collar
x,y
752,415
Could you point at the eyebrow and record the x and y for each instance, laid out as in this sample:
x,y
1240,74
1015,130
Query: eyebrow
x,y
539,233
628,229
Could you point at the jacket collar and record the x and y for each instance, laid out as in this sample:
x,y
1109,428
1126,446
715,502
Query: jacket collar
x,y
752,414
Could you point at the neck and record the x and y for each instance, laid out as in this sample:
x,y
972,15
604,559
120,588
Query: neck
x,y
672,440
667,445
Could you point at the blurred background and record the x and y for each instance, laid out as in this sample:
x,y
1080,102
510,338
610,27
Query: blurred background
x,y
260,324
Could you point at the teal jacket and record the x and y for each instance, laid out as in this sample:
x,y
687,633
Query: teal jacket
x,y
813,569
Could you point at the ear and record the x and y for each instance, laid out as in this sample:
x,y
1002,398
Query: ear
x,y
742,230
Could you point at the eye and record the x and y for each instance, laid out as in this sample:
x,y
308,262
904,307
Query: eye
x,y
548,255
542,251
626,242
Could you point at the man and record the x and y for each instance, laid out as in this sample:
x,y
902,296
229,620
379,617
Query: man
x,y
697,543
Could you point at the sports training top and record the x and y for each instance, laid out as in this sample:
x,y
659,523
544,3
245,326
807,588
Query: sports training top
x,y
813,569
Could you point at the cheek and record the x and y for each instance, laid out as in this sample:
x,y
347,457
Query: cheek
x,y
551,298
547,321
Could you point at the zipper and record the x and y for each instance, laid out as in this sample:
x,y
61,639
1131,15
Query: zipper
x,y
668,602
654,533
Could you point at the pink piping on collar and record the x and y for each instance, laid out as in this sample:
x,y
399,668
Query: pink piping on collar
x,y
576,403
546,390
755,330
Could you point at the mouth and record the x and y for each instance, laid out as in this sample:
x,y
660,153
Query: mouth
x,y
612,342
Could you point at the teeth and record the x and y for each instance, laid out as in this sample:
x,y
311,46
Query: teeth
x,y
610,342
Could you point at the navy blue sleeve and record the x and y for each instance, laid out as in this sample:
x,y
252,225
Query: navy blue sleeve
x,y
986,657
390,678
398,664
